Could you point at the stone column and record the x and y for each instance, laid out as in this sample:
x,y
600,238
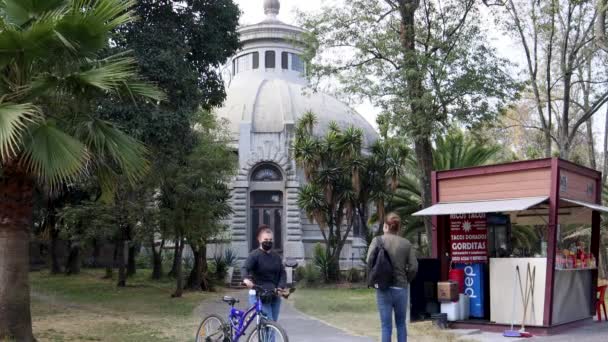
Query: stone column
x,y
240,241
294,248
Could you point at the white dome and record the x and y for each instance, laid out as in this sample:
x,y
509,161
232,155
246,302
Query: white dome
x,y
271,103
267,90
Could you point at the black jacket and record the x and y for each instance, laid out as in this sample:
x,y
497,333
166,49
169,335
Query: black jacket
x,y
265,269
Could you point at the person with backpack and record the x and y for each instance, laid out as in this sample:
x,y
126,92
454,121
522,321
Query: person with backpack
x,y
392,264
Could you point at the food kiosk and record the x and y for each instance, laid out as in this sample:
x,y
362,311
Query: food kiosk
x,y
518,225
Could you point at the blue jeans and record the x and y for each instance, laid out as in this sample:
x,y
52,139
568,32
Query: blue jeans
x,y
392,299
271,310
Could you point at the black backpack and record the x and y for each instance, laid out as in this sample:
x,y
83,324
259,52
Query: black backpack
x,y
380,268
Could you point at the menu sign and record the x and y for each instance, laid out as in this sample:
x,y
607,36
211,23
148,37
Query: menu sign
x,y
469,238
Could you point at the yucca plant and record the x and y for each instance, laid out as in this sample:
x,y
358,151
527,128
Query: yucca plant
x,y
54,64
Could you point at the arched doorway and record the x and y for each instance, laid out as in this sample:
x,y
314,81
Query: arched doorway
x,y
266,204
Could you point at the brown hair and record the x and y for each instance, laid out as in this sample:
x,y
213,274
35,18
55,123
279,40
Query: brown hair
x,y
393,221
263,228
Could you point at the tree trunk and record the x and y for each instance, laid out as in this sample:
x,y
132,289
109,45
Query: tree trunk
x,y
73,262
602,261
333,269
110,268
605,154
591,145
16,202
424,155
421,120
122,261
173,271
205,284
179,289
131,266
157,260
54,259
96,253
195,280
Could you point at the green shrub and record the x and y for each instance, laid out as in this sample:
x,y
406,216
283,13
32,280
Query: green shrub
x,y
354,275
167,259
143,261
187,263
299,273
321,260
220,266
230,257
311,275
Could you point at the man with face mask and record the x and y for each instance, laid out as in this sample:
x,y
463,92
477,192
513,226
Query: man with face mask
x,y
265,268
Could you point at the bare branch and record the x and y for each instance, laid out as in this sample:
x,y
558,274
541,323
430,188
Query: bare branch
x,y
588,114
394,5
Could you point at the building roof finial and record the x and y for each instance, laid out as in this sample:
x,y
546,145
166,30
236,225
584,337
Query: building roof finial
x,y
272,8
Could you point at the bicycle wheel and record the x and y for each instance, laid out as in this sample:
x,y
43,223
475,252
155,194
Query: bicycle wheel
x,y
268,332
211,329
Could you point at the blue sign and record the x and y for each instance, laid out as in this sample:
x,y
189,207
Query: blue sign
x,y
474,287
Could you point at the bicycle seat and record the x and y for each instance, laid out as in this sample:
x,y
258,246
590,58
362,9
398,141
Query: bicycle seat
x,y
230,300
292,264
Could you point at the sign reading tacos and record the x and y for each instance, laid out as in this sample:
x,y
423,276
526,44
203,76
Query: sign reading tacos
x,y
469,238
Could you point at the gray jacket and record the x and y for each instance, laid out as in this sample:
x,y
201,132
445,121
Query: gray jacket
x,y
403,257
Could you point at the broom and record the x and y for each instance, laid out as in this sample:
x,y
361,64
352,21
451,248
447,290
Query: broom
x,y
512,332
526,301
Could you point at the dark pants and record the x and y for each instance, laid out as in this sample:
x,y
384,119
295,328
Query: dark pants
x,y
389,301
271,310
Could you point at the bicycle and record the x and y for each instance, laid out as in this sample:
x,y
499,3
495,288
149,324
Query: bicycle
x,y
215,329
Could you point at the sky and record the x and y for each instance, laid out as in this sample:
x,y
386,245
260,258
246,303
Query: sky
x,y
253,12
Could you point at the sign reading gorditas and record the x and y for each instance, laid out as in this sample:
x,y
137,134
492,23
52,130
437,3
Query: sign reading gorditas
x,y
469,238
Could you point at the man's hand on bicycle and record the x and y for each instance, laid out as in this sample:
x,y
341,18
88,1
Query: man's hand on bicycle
x,y
248,283
285,293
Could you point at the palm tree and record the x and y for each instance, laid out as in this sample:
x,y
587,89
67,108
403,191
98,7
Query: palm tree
x,y
332,167
52,71
342,180
452,151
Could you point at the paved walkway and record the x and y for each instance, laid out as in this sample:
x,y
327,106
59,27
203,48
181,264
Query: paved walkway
x,y
299,327
592,332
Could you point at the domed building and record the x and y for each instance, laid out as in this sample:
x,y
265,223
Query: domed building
x,y
266,95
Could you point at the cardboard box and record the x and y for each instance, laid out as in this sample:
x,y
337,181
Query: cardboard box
x,y
447,291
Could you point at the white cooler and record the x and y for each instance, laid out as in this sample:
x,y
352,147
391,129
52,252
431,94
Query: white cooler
x,y
452,309
464,303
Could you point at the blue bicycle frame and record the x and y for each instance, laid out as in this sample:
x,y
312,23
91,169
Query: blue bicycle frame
x,y
241,320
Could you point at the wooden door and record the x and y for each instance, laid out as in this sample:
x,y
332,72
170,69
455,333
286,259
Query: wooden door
x,y
266,209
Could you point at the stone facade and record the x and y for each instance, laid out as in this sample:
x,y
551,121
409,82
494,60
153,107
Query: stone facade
x,y
266,94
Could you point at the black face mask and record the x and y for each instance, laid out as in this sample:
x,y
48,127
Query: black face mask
x,y
267,245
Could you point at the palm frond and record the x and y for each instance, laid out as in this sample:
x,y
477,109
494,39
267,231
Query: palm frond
x,y
143,89
14,120
53,156
110,145
107,75
111,12
20,12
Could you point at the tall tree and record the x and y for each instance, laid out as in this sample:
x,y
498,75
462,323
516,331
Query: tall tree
x,y
564,67
423,62
49,58
198,200
180,46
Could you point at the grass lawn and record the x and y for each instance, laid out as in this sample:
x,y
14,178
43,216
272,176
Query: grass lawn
x,y
89,308
354,310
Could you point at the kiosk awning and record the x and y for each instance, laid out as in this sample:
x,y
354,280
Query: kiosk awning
x,y
512,204
587,204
